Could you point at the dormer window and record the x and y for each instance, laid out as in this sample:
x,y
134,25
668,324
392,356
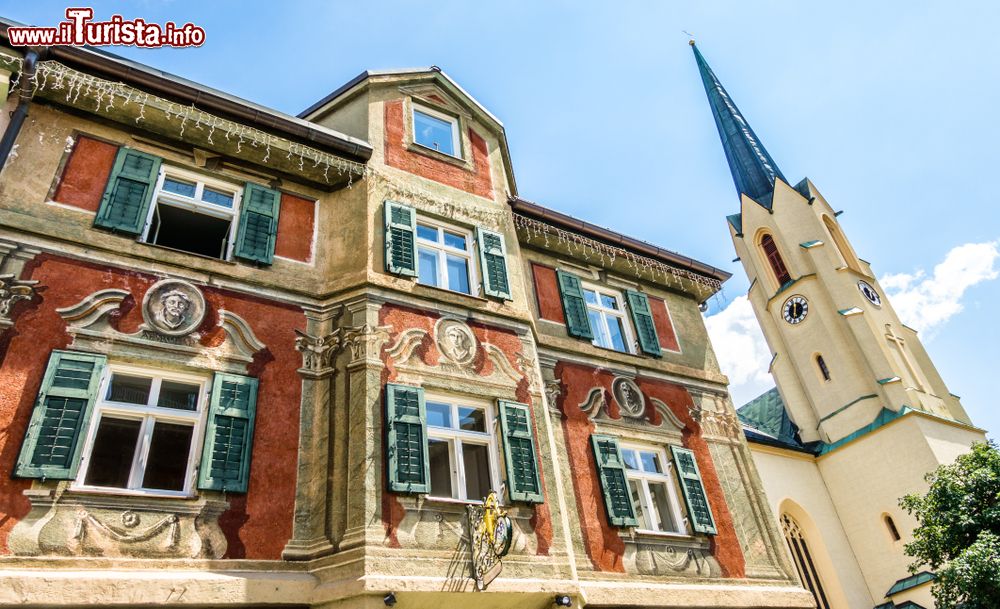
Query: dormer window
x,y
436,130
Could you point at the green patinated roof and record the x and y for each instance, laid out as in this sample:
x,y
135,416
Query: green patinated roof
x,y
766,413
910,582
884,417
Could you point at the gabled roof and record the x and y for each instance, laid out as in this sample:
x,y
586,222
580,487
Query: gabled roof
x,y
360,78
912,581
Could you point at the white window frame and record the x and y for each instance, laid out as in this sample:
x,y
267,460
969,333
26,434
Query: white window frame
x,y
148,414
195,204
441,252
456,139
605,312
455,436
669,480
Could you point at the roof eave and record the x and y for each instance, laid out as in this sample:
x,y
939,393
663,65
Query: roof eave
x,y
615,238
189,92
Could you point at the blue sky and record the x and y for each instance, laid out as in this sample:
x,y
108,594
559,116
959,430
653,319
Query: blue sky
x,y
887,106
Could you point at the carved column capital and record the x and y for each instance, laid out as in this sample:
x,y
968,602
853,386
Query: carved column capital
x,y
317,352
13,290
365,343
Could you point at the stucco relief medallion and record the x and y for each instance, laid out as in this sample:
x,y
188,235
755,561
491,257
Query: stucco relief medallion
x,y
630,399
173,307
456,341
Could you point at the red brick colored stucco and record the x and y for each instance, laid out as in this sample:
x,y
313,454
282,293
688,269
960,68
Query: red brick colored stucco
x,y
86,174
664,328
602,541
547,293
296,222
402,318
478,181
258,524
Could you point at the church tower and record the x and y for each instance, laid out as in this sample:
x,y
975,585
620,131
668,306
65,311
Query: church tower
x,y
855,387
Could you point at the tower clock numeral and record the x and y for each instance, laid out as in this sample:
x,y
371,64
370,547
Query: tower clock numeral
x,y
795,309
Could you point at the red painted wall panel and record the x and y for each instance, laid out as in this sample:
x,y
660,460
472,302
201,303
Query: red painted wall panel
x,y
402,318
478,181
547,293
664,327
86,173
295,228
257,525
602,541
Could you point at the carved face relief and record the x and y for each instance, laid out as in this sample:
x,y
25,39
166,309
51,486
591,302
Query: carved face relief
x,y
173,307
629,398
456,341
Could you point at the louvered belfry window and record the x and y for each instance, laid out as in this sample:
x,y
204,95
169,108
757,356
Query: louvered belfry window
x,y
774,259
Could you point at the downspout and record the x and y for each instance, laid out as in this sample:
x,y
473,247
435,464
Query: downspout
x,y
26,90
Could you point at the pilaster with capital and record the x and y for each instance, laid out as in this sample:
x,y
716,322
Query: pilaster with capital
x,y
318,345
361,474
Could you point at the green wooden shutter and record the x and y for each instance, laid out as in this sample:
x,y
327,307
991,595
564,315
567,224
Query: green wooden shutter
x,y
642,317
694,491
523,481
258,224
129,191
493,260
400,239
574,306
611,470
406,439
225,456
59,422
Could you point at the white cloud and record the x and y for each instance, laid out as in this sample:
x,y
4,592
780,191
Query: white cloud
x,y
925,302
739,343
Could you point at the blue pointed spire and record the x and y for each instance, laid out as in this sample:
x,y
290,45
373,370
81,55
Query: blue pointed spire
x,y
753,169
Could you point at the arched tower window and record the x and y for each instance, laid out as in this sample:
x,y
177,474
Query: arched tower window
x,y
846,253
803,560
891,525
823,369
774,259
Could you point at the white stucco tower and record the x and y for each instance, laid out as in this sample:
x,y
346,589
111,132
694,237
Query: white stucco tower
x,y
860,413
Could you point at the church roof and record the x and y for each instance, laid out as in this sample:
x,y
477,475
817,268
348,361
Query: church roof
x,y
753,169
766,420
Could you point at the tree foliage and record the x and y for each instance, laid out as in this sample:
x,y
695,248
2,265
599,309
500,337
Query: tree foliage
x,y
958,531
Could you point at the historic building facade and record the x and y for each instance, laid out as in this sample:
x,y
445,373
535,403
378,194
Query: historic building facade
x,y
250,359
860,413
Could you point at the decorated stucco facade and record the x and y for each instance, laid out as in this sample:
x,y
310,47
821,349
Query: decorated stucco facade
x,y
383,336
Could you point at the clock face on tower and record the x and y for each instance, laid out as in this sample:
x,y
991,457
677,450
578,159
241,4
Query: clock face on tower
x,y
795,309
870,293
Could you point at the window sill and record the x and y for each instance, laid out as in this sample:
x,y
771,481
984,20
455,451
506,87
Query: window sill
x,y
78,490
187,253
437,289
459,162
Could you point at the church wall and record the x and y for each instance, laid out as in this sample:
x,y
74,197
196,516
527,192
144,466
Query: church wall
x,y
867,477
793,479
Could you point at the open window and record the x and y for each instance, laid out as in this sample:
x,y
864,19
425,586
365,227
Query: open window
x,y
193,214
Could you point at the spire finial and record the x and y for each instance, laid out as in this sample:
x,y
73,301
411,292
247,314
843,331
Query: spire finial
x,y
753,169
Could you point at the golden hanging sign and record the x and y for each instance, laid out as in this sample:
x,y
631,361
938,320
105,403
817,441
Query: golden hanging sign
x,y
491,533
